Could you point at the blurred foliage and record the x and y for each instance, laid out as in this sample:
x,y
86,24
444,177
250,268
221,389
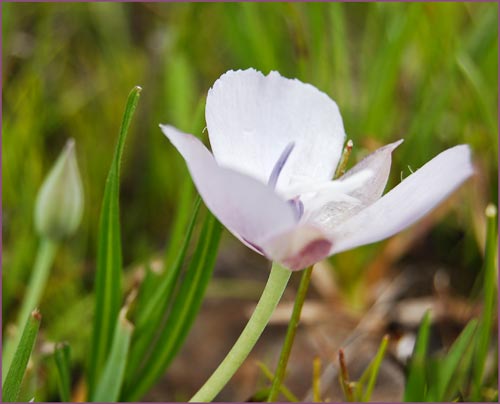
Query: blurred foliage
x,y
424,72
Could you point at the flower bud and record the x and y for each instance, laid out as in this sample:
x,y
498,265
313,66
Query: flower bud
x,y
59,204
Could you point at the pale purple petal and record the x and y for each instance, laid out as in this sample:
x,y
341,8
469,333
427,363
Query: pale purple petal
x,y
252,118
406,203
248,208
327,209
299,247
379,163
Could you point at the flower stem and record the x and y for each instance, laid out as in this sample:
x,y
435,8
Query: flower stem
x,y
275,286
44,259
290,334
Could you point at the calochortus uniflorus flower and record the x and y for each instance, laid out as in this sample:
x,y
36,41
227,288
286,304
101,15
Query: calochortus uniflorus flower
x,y
276,143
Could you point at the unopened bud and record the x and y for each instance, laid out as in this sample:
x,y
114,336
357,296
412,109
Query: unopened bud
x,y
59,204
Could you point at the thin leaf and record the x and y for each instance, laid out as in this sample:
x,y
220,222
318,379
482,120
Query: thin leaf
x,y
415,389
447,367
283,389
184,309
109,386
109,257
462,377
149,319
183,217
12,384
62,360
145,289
369,376
489,286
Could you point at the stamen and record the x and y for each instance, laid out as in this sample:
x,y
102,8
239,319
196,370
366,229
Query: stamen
x,y
273,178
343,159
298,207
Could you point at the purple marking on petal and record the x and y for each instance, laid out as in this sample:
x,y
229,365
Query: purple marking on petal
x,y
313,252
273,178
298,207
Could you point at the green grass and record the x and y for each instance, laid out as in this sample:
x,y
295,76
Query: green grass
x,y
426,72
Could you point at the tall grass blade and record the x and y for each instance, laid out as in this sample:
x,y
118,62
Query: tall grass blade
x,y
109,386
108,285
369,376
460,381
339,53
148,320
62,356
447,367
480,87
184,309
44,261
490,273
12,384
415,389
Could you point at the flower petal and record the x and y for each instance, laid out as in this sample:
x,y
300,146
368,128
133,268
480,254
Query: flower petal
x,y
379,163
299,247
328,209
252,118
249,209
407,202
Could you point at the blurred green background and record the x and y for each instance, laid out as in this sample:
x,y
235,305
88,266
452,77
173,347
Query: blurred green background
x,y
424,72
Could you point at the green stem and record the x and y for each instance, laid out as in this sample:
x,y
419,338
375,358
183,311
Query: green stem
x,y
290,334
276,284
44,260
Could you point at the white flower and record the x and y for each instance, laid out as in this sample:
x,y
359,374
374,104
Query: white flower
x,y
276,143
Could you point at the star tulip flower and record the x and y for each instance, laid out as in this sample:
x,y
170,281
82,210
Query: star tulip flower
x,y
276,143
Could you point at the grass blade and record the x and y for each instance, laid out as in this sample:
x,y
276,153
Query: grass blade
x,y
109,386
480,87
44,260
369,376
184,309
108,289
145,289
415,389
283,389
183,216
489,297
341,67
448,366
62,360
166,288
12,384
460,382
149,319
